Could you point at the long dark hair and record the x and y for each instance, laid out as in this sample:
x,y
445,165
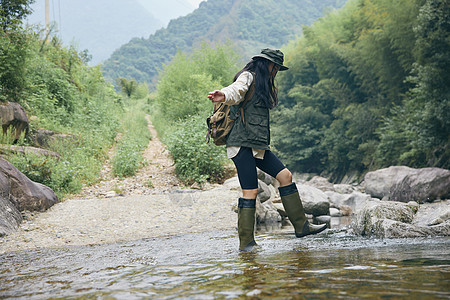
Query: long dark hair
x,y
264,85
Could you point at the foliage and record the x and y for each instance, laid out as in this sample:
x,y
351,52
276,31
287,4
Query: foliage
x,y
368,87
12,12
180,108
195,160
250,25
59,93
134,139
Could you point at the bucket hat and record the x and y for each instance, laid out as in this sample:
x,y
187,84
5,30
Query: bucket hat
x,y
275,56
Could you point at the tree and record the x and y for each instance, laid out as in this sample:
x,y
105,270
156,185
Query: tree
x,y
13,11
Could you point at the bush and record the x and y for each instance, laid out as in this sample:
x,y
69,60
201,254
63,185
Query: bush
x,y
195,160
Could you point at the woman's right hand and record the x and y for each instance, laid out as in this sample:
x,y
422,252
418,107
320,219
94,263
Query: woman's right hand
x,y
216,96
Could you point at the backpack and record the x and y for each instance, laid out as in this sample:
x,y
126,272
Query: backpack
x,y
219,123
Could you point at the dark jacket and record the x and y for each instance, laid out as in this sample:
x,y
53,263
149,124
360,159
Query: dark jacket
x,y
254,132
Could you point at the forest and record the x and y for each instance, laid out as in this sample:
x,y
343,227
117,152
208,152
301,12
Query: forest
x,y
368,87
64,96
249,25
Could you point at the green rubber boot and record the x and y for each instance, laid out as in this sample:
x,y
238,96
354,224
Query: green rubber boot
x,y
294,209
246,223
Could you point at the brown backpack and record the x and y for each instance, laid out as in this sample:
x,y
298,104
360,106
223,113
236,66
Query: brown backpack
x,y
219,123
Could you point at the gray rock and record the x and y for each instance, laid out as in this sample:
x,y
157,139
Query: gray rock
x,y
356,200
321,183
280,208
13,115
265,177
334,212
378,183
10,217
264,193
322,220
315,202
430,214
22,192
232,184
266,212
343,188
395,219
423,185
336,199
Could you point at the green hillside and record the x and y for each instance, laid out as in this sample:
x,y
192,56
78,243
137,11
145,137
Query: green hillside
x,y
248,24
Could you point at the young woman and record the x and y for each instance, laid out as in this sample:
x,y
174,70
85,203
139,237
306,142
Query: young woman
x,y
249,140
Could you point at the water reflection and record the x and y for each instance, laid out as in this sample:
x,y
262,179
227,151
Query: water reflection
x,y
208,266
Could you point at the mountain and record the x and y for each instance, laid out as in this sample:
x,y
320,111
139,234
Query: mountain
x,y
101,26
168,9
249,24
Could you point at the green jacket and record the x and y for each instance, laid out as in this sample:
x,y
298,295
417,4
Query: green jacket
x,y
253,131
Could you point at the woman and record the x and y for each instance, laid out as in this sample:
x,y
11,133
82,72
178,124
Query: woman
x,y
249,140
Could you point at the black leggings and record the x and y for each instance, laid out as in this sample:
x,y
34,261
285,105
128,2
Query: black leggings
x,y
246,167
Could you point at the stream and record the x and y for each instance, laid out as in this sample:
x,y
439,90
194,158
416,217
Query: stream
x,y
208,265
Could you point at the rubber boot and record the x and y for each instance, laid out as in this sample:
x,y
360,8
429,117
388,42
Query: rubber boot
x,y
246,223
296,213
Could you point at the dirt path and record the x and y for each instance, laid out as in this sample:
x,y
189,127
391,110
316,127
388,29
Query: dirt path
x,y
153,203
156,177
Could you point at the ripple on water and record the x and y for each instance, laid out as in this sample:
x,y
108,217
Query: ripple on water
x,y
208,265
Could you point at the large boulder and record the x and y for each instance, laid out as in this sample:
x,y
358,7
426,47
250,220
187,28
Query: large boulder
x,y
22,192
315,202
13,116
423,185
388,219
378,183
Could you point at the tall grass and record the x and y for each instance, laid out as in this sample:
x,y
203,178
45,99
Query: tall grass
x,y
135,137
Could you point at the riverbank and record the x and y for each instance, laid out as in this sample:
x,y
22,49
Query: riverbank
x,y
153,203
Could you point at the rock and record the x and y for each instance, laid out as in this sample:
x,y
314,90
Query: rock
x,y
423,185
355,201
343,188
266,212
10,217
232,184
315,202
8,149
12,114
22,192
321,183
264,192
378,183
430,214
280,208
43,138
336,199
334,212
345,210
395,219
266,178
323,220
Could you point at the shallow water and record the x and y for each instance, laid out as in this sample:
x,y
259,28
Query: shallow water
x,y
208,266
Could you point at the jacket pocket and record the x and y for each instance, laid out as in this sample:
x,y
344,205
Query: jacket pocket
x,y
258,128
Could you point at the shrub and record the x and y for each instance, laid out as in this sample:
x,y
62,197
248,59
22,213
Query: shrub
x,y
195,160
